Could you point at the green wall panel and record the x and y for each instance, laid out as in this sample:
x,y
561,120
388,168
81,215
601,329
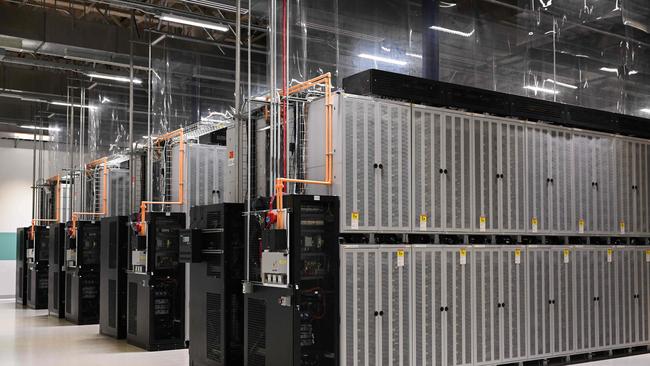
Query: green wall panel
x,y
8,246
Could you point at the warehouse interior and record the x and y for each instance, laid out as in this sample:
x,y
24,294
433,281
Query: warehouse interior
x,y
324,183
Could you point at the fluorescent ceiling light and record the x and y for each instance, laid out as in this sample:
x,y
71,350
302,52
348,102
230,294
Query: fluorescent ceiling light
x,y
609,69
193,22
632,72
415,55
105,100
444,4
452,31
30,127
541,90
645,110
64,104
123,79
558,83
383,59
385,49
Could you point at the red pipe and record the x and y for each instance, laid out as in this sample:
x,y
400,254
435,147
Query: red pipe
x,y
284,88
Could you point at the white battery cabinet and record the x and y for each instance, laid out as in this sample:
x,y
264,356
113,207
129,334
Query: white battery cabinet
x,y
630,191
375,298
550,301
372,161
442,170
442,306
499,183
550,160
499,307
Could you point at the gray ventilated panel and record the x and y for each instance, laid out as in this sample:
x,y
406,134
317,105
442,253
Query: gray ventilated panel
x,y
428,314
550,159
394,300
485,155
487,306
394,171
540,303
442,166
644,283
205,167
358,157
606,303
514,298
511,183
359,330
458,300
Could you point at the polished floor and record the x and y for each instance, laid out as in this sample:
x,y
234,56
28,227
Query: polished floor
x,y
31,338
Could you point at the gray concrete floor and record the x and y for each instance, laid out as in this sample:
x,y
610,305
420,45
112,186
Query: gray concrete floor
x,y
31,338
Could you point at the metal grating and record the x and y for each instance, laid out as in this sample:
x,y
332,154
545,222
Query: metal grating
x,y
68,293
256,347
112,303
214,343
133,309
56,291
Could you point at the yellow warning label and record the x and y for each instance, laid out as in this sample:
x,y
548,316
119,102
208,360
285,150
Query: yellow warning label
x,y
423,218
517,256
400,253
355,219
610,251
482,223
463,256
566,255
423,222
400,258
581,226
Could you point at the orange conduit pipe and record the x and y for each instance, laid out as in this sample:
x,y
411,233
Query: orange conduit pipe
x,y
279,182
142,228
104,211
57,199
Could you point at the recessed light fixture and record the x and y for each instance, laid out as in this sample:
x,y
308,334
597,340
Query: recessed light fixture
x,y
538,89
645,110
414,55
632,72
193,22
452,31
383,59
558,83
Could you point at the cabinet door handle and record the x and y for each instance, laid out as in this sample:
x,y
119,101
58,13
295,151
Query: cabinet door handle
x,y
375,165
381,166
446,308
381,313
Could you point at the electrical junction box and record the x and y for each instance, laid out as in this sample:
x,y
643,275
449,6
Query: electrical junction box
x,y
274,268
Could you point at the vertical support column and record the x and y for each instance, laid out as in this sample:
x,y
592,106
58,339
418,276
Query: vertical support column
x,y
430,40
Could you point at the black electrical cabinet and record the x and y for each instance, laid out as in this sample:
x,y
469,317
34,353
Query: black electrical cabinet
x,y
56,273
215,247
21,267
156,287
82,274
37,268
293,320
112,291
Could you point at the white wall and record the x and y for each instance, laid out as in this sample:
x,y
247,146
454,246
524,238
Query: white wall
x,y
15,203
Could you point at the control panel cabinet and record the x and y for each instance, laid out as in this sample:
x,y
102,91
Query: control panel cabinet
x,y
296,323
21,265
112,294
156,285
56,272
216,273
37,268
82,274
